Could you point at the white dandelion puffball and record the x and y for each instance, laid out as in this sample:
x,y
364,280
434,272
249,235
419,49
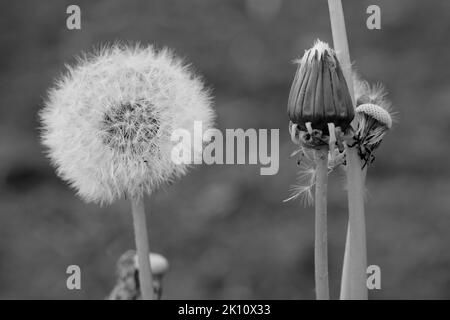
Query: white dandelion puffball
x,y
108,121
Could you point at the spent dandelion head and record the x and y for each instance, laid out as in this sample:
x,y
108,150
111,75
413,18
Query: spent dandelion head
x,y
107,122
373,117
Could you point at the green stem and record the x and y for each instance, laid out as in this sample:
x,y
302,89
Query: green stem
x,y
357,250
355,271
345,281
321,237
143,251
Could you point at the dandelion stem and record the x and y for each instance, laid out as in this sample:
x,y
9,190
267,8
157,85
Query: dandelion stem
x,y
345,281
355,272
321,246
142,246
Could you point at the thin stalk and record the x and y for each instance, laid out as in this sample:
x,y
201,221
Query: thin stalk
x,y
142,246
355,273
345,281
355,277
321,237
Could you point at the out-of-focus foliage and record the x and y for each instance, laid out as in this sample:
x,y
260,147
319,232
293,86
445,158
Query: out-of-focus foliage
x,y
224,228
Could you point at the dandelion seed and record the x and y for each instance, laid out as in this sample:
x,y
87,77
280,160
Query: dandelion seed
x,y
303,189
306,180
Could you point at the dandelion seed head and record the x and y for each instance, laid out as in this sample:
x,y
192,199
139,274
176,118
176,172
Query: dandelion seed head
x,y
108,120
374,117
373,110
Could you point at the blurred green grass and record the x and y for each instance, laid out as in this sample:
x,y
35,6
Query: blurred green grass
x,y
225,229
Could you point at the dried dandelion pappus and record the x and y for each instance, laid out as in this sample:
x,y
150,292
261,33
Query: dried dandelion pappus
x,y
107,125
374,118
319,108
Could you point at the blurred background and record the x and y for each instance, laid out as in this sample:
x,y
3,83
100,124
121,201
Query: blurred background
x,y
224,228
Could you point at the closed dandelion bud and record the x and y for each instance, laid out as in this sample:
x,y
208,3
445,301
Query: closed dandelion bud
x,y
319,94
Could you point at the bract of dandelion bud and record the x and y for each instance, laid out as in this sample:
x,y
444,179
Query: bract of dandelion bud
x,y
319,92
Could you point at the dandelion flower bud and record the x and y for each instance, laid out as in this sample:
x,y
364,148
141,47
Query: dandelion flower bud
x,y
319,94
107,122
